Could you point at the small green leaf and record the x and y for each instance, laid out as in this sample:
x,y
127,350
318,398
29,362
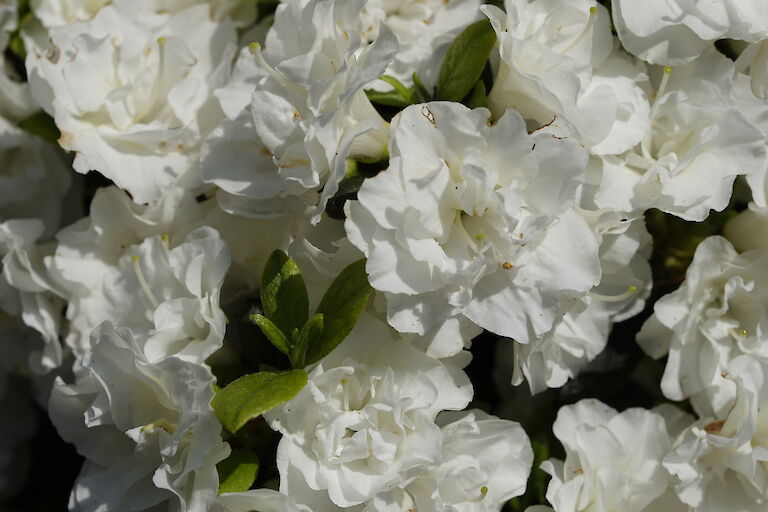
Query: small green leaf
x,y
238,471
310,334
405,92
42,125
421,93
477,97
389,98
465,60
272,332
341,306
283,293
251,395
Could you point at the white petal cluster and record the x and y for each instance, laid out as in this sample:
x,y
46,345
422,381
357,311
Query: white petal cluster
x,y
719,313
203,135
308,114
451,229
149,435
423,29
613,460
132,91
676,31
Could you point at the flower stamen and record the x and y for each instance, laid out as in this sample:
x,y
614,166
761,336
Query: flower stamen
x,y
143,282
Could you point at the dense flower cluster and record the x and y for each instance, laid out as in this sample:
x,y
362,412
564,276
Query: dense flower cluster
x,y
417,172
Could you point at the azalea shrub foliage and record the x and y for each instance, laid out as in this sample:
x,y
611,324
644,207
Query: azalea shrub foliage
x,y
384,255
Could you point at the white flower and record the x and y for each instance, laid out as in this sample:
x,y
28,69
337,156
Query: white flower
x,y
365,422
29,290
55,13
147,430
613,460
147,271
699,140
558,70
674,32
424,31
581,335
258,500
309,114
474,219
485,462
33,178
719,313
721,461
131,92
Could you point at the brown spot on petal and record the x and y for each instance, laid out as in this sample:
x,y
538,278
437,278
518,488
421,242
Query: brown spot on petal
x,y
296,114
578,471
53,54
428,115
507,265
715,427
264,151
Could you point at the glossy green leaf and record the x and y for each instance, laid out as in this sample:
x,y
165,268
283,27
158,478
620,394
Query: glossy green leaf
x,y
272,332
283,294
477,97
341,306
465,60
310,335
238,471
251,395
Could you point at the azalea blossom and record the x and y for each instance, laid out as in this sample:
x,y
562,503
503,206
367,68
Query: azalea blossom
x,y
308,114
365,422
148,103
475,219
717,314
673,32
146,429
613,460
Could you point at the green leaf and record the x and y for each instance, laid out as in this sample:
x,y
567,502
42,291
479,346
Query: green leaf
x,y
341,306
272,332
465,60
310,334
420,91
477,97
42,125
389,98
251,395
283,293
238,471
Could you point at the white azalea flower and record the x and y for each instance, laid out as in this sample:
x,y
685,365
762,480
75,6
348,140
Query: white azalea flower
x,y
582,334
720,460
485,462
673,32
135,270
699,140
131,92
33,178
146,429
755,58
475,220
365,422
309,114
719,313
29,290
558,70
55,13
258,500
613,460
424,31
